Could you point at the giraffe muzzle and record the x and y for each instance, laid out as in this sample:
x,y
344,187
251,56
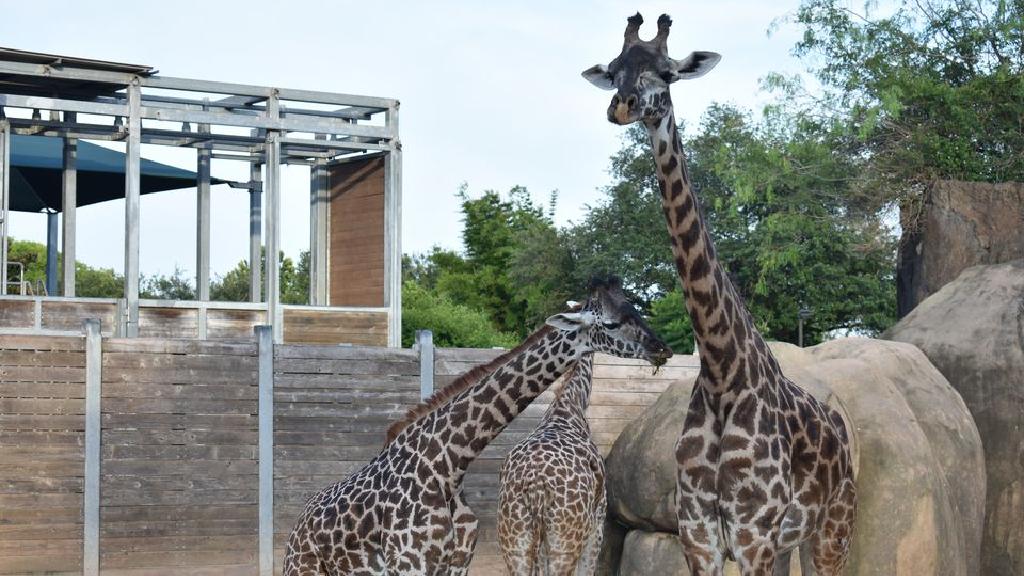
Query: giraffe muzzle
x,y
622,110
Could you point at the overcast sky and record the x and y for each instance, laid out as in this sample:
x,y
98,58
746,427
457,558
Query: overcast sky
x,y
491,96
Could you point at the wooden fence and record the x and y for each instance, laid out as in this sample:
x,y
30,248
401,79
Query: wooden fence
x,y
179,476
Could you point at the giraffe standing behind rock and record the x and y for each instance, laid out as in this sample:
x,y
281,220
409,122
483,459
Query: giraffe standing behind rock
x,y
763,467
403,513
552,499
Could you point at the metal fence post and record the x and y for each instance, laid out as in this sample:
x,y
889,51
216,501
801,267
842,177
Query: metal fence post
x,y
265,347
91,496
425,347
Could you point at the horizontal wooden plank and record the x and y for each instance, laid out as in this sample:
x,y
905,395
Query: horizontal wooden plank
x,y
164,346
41,358
31,342
42,374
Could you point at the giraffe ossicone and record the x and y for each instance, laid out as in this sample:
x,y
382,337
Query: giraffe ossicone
x,y
403,513
763,468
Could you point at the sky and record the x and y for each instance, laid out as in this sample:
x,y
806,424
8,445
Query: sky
x,y
491,97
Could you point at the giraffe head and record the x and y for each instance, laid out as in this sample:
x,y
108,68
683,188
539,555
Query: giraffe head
x,y
642,72
607,322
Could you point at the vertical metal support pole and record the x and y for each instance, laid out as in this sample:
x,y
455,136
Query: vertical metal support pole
x,y
800,332
132,210
5,198
91,503
425,347
393,230
69,206
51,253
273,219
203,218
318,235
273,225
265,347
255,240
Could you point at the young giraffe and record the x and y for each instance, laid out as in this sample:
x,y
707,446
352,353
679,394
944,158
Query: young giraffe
x,y
403,513
552,500
763,467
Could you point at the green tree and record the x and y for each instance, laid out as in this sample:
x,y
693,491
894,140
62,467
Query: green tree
x,y
453,325
234,285
930,89
177,286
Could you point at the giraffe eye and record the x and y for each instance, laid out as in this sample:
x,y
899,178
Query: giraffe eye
x,y
611,325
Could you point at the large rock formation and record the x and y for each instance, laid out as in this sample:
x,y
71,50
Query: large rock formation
x,y
957,225
917,452
973,331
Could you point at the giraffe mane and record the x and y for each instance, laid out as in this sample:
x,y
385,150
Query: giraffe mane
x,y
461,384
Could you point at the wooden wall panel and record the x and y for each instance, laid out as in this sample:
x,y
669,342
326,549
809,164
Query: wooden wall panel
x,y
335,327
179,458
42,423
70,315
357,234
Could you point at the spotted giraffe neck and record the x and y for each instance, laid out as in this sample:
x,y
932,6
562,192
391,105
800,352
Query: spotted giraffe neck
x,y
570,406
454,433
722,325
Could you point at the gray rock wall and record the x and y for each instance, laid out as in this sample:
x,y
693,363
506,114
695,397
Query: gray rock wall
x,y
973,331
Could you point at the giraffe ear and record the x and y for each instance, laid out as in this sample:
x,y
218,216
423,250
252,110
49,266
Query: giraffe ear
x,y
599,76
571,321
695,65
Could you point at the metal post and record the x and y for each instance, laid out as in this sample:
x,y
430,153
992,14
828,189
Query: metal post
x,y
318,236
273,225
5,198
255,221
69,206
393,230
425,347
132,209
91,497
265,347
203,219
51,253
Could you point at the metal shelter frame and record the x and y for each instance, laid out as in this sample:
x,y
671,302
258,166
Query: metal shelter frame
x,y
262,126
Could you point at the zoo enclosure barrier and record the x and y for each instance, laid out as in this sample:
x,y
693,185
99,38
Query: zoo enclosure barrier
x,y
144,456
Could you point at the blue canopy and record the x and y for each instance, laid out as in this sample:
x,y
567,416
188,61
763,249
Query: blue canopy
x,y
37,164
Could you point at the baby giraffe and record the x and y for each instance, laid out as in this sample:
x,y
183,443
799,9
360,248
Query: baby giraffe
x,y
551,501
403,513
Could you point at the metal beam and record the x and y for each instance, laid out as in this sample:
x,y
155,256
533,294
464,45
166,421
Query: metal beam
x,y
318,239
5,198
425,348
393,233
203,220
255,222
51,253
69,206
132,208
265,411
91,496
273,231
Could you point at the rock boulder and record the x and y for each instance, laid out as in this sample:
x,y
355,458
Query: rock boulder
x,y
917,452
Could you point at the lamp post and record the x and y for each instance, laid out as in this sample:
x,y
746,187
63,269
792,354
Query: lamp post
x,y
802,314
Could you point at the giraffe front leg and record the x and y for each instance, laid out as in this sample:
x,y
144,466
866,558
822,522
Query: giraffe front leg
x,y
464,532
697,511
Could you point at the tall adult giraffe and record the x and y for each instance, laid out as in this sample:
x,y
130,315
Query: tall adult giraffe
x,y
403,514
763,467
